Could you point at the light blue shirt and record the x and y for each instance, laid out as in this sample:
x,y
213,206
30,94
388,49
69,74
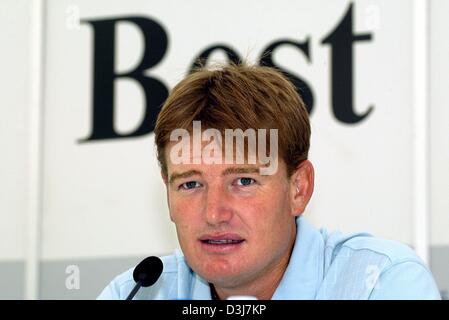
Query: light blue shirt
x,y
322,266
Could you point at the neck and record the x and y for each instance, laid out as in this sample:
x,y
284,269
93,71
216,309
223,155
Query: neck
x,y
262,287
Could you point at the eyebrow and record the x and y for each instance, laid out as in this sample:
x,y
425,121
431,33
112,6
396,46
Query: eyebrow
x,y
235,170
176,175
239,170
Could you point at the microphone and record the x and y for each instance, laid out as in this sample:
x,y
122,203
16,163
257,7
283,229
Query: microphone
x,y
146,274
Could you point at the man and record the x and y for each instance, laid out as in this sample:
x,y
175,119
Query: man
x,y
239,215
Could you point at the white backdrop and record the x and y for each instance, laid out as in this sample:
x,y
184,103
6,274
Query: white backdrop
x,y
105,199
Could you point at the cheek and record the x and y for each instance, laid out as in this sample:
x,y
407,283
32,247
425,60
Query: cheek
x,y
178,215
275,203
259,216
268,215
173,209
175,205
184,213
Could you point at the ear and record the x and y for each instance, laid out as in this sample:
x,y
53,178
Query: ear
x,y
301,187
165,179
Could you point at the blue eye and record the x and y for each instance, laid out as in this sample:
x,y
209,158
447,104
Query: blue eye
x,y
245,181
189,185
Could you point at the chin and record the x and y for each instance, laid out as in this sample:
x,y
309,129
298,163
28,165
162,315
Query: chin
x,y
222,280
223,275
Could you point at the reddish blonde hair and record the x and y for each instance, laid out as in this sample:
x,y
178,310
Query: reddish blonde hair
x,y
238,96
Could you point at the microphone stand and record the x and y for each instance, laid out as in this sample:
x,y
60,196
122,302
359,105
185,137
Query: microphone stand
x,y
134,291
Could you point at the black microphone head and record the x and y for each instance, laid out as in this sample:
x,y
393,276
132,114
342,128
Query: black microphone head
x,y
148,271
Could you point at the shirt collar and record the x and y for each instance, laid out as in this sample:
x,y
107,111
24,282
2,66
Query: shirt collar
x,y
200,289
304,272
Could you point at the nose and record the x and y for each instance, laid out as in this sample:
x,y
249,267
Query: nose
x,y
217,208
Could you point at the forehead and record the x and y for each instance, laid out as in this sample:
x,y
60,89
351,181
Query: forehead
x,y
184,170
209,148
212,149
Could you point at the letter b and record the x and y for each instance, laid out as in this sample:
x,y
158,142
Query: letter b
x,y
104,76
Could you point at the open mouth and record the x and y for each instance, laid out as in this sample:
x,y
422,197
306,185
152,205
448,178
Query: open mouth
x,y
221,242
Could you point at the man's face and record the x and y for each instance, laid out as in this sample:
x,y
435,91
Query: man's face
x,y
233,224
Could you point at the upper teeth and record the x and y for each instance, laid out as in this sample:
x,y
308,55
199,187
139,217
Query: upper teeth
x,y
222,241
